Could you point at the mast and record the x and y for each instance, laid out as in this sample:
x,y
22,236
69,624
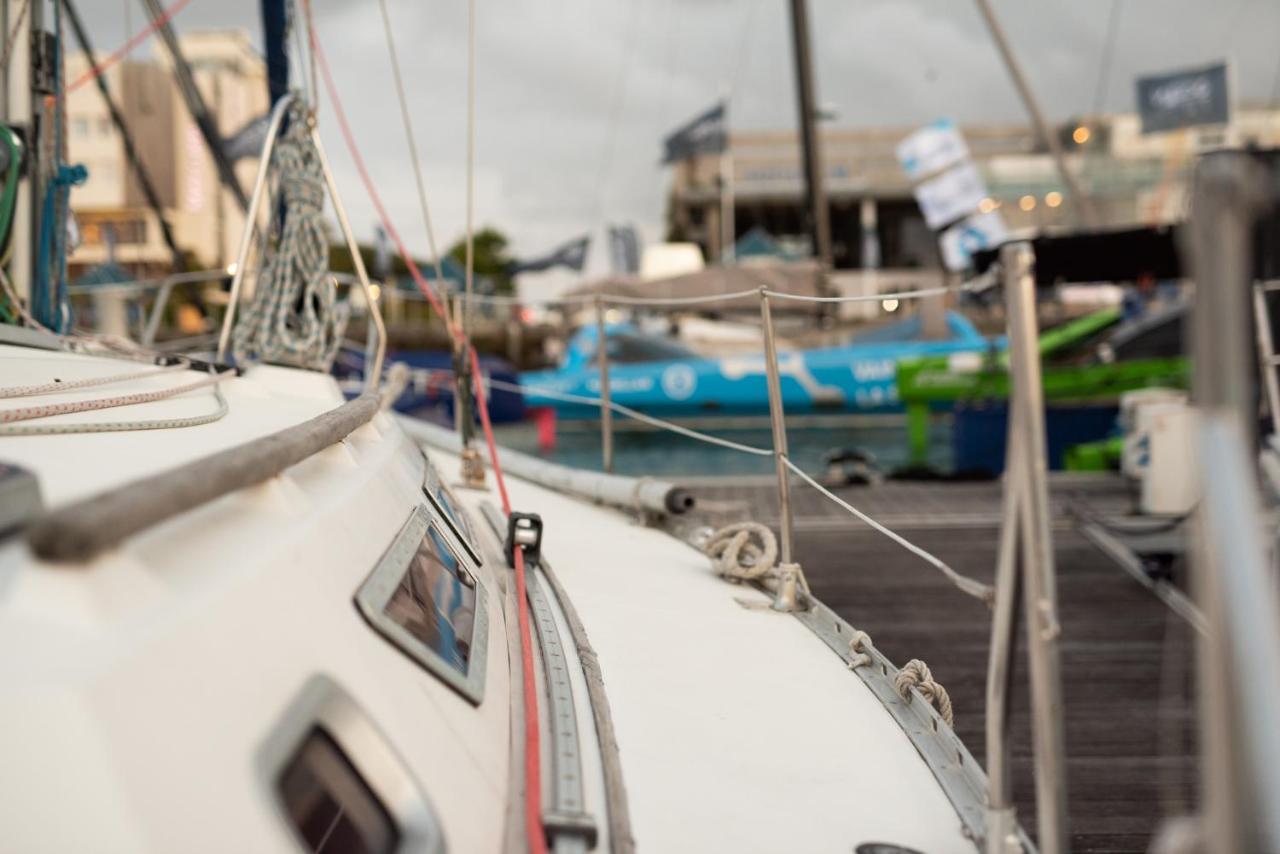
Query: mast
x,y
19,113
195,103
815,193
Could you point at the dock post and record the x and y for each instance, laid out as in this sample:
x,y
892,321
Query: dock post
x,y
790,576
1038,577
606,406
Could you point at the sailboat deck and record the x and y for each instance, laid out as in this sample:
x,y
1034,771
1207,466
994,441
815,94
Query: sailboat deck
x,y
1126,659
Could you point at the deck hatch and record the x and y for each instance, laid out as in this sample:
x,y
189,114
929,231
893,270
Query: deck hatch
x,y
423,597
442,498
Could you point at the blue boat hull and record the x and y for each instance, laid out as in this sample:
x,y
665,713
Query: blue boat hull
x,y
854,378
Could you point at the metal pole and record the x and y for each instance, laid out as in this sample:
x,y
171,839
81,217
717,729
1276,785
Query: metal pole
x,y
779,429
1087,214
606,409
195,102
728,227
1002,823
819,216
1026,415
1239,655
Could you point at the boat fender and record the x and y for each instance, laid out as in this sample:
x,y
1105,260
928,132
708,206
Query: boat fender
x,y
524,530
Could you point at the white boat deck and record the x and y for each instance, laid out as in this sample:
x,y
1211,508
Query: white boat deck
x,y
738,729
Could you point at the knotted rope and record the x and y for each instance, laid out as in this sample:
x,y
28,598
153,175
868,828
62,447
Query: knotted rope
x,y
744,551
916,674
859,649
294,318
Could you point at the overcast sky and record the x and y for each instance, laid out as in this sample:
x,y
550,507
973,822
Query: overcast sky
x,y
574,96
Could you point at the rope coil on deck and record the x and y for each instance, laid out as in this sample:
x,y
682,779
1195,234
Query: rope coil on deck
x,y
736,556
916,674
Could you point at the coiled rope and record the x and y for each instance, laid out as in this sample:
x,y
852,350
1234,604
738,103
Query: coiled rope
x,y
916,674
744,551
295,317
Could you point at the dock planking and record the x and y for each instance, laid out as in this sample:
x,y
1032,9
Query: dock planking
x,y
1126,659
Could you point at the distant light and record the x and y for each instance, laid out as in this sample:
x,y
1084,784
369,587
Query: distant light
x,y
1027,203
1081,135
1053,198
613,315
231,268
374,291
987,205
889,304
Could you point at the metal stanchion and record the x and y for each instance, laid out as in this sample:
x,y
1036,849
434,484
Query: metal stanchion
x,y
1026,417
1002,820
606,411
472,469
790,580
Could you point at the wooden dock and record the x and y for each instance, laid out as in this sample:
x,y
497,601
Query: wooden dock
x,y
1126,659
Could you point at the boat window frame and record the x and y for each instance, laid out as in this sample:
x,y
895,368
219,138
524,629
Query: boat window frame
x,y
454,514
322,704
380,585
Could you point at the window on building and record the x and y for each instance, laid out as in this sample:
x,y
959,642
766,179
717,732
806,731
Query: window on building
x,y
330,805
79,126
104,126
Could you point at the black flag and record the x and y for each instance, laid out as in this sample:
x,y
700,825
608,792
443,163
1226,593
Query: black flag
x,y
707,134
572,255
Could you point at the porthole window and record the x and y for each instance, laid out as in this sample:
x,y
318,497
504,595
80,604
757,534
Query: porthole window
x,y
423,599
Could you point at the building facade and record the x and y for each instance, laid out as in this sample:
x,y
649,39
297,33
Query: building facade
x,y
111,210
875,222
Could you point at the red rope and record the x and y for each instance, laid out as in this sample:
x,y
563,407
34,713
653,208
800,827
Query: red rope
x,y
534,830
132,43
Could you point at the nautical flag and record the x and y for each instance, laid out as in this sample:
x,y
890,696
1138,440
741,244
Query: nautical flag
x,y
1186,98
624,249
572,255
707,134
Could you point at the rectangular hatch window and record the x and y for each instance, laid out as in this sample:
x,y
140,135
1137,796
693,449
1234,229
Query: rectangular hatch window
x,y
442,498
330,805
423,598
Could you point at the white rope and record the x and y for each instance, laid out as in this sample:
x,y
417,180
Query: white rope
x,y
736,556
31,413
118,426
57,387
630,413
412,141
898,295
916,674
972,587
695,300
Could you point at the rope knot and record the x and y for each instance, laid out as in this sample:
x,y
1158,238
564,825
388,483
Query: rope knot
x,y
916,674
859,649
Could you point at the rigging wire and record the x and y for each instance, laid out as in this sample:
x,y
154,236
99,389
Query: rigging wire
x,y
128,47
412,142
13,35
1104,64
468,320
617,98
